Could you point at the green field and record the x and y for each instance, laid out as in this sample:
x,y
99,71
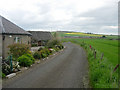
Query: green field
x,y
108,47
100,71
62,34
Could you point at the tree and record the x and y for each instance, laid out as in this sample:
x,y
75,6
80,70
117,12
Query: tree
x,y
104,36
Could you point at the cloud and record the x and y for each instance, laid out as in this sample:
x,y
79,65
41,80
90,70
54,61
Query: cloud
x,y
74,15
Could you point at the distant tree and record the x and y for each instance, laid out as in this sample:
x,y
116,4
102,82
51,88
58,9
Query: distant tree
x,y
103,36
55,35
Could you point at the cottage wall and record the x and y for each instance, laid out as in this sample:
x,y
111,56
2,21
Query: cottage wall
x,y
0,45
10,39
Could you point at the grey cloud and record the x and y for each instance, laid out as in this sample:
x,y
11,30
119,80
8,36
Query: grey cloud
x,y
105,16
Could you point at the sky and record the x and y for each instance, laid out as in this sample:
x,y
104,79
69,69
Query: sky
x,y
95,16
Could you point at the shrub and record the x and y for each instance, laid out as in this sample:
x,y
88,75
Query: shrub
x,y
50,50
37,55
56,49
24,61
47,51
60,46
18,50
3,75
33,45
6,69
103,36
31,57
52,43
40,49
43,53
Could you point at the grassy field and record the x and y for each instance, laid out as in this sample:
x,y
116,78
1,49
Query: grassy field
x,y
100,71
62,34
82,34
108,47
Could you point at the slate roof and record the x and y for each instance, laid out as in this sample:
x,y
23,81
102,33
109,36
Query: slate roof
x,y
7,27
40,35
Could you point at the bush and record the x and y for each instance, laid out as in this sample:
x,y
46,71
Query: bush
x,y
50,50
40,49
52,43
103,36
31,57
47,51
3,75
43,53
60,46
33,45
18,50
6,69
37,55
24,61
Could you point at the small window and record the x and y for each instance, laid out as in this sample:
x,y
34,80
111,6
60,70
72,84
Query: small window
x,y
17,39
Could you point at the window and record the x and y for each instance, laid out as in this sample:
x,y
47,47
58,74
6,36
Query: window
x,y
17,40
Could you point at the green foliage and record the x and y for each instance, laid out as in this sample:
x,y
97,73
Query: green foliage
x,y
108,47
60,46
37,55
101,71
103,36
52,43
40,49
33,45
3,75
25,61
47,51
18,50
6,69
31,57
55,34
44,53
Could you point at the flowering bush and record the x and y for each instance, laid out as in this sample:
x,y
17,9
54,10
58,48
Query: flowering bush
x,y
18,50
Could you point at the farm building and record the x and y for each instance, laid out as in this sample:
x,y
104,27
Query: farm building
x,y
10,34
40,37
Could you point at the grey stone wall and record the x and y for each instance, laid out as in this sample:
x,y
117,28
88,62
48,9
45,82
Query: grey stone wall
x,y
0,45
9,39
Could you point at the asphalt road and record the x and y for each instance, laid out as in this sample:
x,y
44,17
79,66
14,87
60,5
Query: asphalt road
x,y
66,70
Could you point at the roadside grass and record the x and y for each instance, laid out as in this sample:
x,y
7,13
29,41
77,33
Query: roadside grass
x,y
100,71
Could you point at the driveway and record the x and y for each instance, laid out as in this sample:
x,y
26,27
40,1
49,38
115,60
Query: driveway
x,y
66,70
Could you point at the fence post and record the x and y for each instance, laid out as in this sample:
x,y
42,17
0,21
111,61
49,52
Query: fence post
x,y
11,66
95,54
116,67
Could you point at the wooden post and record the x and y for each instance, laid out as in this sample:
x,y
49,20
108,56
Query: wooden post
x,y
102,56
116,67
95,54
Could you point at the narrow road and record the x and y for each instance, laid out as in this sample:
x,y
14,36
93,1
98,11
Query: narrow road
x,y
66,70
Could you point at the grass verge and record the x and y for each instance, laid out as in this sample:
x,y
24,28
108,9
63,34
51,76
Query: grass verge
x,y
101,72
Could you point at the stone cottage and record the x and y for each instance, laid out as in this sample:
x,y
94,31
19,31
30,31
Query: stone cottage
x,y
40,37
10,34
